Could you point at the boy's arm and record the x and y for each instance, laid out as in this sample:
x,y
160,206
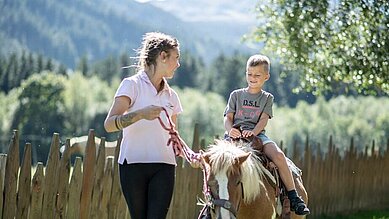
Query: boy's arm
x,y
261,124
228,125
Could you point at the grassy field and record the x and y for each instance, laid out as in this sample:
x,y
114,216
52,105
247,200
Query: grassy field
x,y
384,214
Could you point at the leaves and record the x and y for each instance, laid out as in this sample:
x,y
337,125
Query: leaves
x,y
336,46
363,118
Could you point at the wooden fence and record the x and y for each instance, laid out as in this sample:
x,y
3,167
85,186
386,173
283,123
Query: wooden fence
x,y
91,189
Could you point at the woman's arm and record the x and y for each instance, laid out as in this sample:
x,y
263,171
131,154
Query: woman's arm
x,y
116,121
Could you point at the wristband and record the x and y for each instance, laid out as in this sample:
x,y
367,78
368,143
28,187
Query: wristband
x,y
117,124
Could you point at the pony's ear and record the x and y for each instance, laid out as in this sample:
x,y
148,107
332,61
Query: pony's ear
x,y
242,158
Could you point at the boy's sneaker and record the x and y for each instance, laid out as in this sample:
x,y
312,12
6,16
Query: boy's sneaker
x,y
298,206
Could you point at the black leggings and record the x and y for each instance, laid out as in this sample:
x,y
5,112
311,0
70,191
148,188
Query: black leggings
x,y
147,188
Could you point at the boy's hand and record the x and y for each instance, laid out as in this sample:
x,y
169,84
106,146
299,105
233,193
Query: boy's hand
x,y
247,133
234,133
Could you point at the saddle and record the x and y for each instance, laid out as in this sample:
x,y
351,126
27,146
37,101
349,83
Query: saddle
x,y
272,174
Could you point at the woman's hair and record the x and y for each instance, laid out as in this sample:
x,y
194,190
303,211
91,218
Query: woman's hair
x,y
257,60
153,44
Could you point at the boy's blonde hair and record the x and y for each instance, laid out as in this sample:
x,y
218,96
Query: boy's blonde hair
x,y
257,60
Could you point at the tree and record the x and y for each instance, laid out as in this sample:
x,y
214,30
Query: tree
x,y
188,72
125,66
82,65
202,108
84,98
39,63
228,73
41,110
107,69
338,46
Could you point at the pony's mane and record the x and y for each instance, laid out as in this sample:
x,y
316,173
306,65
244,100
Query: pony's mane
x,y
223,155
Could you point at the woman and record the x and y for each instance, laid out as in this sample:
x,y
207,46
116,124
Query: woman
x,y
146,163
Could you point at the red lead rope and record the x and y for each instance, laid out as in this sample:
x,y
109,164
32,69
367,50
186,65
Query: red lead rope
x,y
179,146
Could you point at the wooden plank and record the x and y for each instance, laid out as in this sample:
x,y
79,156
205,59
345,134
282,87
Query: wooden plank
x,y
37,190
106,188
63,182
3,161
96,210
24,190
116,191
11,177
88,175
73,210
51,185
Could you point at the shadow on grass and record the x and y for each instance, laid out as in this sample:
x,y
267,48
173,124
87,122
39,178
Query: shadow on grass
x,y
379,214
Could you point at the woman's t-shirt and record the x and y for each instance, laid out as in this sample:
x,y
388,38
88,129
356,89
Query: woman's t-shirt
x,y
145,141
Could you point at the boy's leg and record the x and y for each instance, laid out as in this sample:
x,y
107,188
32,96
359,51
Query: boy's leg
x,y
278,157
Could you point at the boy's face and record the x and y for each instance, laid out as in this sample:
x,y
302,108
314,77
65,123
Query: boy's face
x,y
256,76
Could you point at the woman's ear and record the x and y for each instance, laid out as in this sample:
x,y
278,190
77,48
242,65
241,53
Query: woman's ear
x,y
163,56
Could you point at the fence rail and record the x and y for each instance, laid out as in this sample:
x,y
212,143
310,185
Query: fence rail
x,y
91,189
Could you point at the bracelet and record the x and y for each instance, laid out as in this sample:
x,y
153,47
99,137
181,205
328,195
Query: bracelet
x,y
118,124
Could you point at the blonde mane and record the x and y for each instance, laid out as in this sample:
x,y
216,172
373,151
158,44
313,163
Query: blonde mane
x,y
223,155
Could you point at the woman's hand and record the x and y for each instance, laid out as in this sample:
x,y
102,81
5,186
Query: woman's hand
x,y
151,112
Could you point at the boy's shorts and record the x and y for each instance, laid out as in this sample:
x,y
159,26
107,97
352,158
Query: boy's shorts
x,y
264,138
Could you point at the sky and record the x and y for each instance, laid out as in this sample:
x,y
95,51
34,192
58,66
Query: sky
x,y
209,10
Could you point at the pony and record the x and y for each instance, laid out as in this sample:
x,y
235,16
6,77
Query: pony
x,y
78,146
237,185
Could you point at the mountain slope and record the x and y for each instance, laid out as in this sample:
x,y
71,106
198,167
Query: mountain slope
x,y
68,30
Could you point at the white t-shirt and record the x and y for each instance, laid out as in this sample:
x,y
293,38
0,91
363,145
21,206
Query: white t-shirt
x,y
145,141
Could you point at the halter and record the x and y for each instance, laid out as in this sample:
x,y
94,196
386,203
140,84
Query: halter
x,y
211,201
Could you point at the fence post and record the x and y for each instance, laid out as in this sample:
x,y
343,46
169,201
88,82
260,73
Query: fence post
x,y
88,175
11,177
37,190
24,184
50,192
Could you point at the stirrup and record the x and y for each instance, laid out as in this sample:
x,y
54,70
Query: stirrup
x,y
299,207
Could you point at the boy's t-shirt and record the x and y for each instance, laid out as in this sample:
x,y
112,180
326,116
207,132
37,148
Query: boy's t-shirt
x,y
247,107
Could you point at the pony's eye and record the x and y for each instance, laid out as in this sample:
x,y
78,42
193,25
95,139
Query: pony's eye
x,y
238,182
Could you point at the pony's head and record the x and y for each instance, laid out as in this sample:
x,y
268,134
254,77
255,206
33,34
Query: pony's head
x,y
232,176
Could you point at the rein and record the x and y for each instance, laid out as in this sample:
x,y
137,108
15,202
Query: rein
x,y
179,146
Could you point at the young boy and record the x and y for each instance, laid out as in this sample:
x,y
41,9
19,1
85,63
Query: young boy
x,y
243,110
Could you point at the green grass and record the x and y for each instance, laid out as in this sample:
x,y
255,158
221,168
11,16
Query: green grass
x,y
381,214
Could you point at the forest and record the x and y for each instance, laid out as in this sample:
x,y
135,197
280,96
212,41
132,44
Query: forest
x,y
327,78
42,97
